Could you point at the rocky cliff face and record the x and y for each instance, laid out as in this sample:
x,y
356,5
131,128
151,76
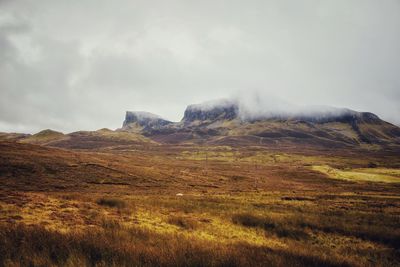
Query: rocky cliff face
x,y
230,110
211,111
144,120
338,115
220,121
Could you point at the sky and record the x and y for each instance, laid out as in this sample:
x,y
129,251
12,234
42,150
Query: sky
x,y
79,65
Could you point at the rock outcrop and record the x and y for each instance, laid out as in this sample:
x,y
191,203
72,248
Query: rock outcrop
x,y
144,120
219,121
211,111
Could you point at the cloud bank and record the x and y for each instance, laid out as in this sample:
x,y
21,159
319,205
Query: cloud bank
x,y
80,65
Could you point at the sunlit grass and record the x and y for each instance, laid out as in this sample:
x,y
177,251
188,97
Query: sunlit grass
x,y
361,174
314,226
295,216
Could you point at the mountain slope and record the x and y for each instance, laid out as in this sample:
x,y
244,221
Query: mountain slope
x,y
44,137
227,122
103,138
12,136
138,121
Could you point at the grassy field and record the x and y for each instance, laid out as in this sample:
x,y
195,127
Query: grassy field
x,y
383,175
198,206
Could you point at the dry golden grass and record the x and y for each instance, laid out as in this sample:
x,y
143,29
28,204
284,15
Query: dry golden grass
x,y
116,245
111,202
44,137
317,230
241,207
374,174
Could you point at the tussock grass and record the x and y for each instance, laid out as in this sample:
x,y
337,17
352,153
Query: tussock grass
x,y
183,222
253,207
297,198
366,227
371,227
35,246
280,228
111,202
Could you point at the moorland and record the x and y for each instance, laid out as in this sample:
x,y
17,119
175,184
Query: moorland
x,y
123,198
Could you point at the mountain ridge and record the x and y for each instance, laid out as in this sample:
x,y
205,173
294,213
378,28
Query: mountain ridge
x,y
218,120
228,123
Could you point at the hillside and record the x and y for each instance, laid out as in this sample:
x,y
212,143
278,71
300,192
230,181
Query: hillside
x,y
12,136
222,187
44,137
100,139
228,123
196,205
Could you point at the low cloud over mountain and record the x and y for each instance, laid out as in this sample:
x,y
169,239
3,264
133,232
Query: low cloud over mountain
x,y
73,66
220,121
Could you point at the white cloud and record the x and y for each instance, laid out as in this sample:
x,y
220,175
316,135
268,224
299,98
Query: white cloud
x,y
79,65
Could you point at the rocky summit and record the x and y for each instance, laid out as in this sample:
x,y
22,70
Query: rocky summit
x,y
211,111
143,120
227,122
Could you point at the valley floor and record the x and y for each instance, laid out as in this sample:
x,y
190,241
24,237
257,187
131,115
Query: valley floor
x,y
198,206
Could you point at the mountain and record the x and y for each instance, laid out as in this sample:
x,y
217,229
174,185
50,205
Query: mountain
x,y
228,122
100,139
143,121
211,111
12,136
43,137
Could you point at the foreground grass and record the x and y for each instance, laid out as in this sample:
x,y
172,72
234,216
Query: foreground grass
x,y
220,207
120,246
222,230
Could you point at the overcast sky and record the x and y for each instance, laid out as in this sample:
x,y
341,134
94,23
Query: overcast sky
x,y
79,65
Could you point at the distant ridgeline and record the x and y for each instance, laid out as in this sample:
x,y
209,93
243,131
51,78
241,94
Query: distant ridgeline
x,y
144,119
228,122
225,110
